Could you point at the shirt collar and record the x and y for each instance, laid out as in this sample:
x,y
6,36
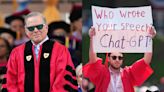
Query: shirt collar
x,y
38,45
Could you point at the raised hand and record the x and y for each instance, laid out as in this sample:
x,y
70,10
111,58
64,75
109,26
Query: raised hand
x,y
92,32
152,31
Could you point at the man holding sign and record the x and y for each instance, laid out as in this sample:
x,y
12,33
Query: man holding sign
x,y
119,30
114,78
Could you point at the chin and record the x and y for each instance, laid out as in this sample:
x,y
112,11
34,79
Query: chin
x,y
37,41
116,67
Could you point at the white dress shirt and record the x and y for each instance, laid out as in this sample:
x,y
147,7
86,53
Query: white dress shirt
x,y
37,47
115,84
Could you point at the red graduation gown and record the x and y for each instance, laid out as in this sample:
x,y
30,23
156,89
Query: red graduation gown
x,y
133,75
3,76
60,58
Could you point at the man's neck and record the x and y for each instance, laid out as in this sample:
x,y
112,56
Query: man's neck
x,y
40,43
114,69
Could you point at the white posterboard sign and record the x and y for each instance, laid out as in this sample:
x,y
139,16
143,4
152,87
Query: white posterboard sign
x,y
122,29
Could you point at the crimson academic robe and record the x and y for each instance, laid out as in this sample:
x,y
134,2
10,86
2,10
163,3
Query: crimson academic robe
x,y
131,76
3,77
25,73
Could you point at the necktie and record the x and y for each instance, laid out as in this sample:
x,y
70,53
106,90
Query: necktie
x,y
36,51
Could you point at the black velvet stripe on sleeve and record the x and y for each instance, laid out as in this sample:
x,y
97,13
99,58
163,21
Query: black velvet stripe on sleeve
x,y
1,81
3,70
4,81
29,68
69,88
69,69
44,74
4,90
70,79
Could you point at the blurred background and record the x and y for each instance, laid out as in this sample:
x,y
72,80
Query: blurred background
x,y
157,64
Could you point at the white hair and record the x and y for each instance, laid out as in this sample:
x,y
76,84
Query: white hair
x,y
35,14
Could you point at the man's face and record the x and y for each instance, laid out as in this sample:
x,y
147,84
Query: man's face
x,y
36,30
77,25
8,37
3,48
116,60
59,32
17,25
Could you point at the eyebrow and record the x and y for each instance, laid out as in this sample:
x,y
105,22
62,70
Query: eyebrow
x,y
116,55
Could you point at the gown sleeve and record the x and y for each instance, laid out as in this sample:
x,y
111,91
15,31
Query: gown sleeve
x,y
65,79
3,86
94,71
139,72
12,73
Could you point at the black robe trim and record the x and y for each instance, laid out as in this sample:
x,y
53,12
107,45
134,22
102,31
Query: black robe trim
x,y
44,68
44,71
29,68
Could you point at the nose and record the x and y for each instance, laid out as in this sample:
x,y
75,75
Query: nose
x,y
117,59
35,29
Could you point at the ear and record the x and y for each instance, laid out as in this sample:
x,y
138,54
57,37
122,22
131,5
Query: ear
x,y
106,60
27,33
46,26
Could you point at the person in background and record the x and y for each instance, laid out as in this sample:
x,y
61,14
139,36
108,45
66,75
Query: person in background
x,y
59,30
79,76
16,24
8,35
5,51
76,22
76,33
84,85
161,84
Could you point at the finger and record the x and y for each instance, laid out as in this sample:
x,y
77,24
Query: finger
x,y
91,31
93,28
153,31
94,33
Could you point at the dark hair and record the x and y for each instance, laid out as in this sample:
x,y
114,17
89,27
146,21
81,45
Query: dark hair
x,y
7,46
58,25
111,53
9,31
11,18
76,13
